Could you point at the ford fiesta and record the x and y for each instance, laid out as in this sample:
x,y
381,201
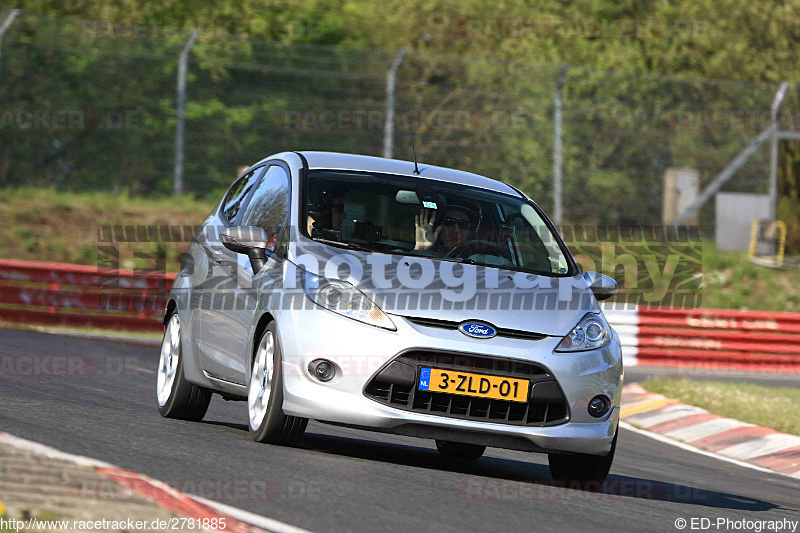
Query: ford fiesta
x,y
379,295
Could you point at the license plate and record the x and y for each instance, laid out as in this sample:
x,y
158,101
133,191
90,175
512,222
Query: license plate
x,y
469,384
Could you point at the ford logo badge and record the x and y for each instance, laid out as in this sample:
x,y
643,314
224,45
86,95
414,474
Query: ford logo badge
x,y
477,330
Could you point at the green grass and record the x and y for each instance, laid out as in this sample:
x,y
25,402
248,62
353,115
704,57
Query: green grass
x,y
777,408
50,225
731,281
64,202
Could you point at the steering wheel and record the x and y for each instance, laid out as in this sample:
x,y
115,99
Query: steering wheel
x,y
477,246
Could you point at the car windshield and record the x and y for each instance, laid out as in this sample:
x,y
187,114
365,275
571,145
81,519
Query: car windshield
x,y
429,218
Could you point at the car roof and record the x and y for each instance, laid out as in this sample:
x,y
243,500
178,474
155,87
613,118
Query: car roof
x,y
339,161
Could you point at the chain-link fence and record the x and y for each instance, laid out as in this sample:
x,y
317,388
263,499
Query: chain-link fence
x,y
91,105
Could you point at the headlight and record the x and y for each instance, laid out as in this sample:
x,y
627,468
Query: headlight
x,y
592,332
342,298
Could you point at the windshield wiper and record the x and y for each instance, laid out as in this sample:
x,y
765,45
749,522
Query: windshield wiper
x,y
465,260
349,245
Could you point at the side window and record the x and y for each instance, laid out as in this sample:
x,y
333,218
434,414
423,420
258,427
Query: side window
x,y
269,207
238,192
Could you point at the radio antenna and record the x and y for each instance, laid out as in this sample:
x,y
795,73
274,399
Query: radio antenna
x,y
413,150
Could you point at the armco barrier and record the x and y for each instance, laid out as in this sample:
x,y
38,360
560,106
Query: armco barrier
x,y
82,296
716,339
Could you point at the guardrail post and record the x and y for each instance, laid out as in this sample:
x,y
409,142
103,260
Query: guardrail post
x,y
183,59
723,177
557,154
5,25
388,127
773,160
769,133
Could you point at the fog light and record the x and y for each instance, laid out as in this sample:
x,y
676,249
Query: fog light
x,y
599,406
322,369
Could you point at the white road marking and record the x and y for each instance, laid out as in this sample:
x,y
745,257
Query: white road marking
x,y
270,524
145,370
684,446
47,451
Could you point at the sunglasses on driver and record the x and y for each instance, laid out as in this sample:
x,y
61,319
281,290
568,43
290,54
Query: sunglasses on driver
x,y
449,222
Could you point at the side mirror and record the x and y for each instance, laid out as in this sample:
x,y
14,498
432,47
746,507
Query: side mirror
x,y
249,240
602,286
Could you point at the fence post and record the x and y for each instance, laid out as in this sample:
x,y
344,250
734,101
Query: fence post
x,y
557,194
5,25
773,160
183,59
720,179
715,185
388,127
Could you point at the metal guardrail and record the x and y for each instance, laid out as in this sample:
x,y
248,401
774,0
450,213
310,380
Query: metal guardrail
x,y
717,339
713,339
82,296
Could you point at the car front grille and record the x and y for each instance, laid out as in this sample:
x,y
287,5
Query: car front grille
x,y
396,385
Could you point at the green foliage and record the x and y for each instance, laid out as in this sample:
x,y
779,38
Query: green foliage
x,y
621,130
777,408
722,39
45,224
730,280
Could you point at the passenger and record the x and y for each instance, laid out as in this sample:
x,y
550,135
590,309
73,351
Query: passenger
x,y
337,213
320,221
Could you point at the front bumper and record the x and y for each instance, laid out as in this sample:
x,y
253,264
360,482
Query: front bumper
x,y
359,351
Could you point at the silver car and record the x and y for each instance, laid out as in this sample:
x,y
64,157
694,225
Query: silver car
x,y
379,295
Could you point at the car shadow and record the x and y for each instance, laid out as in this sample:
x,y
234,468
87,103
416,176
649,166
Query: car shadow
x,y
232,425
503,479
499,479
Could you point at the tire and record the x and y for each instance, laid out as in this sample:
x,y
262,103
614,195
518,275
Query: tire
x,y
460,450
582,467
267,421
176,397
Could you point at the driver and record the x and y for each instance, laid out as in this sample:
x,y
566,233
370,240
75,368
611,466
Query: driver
x,y
454,229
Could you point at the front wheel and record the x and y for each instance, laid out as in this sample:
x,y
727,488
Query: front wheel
x,y
177,398
268,423
582,467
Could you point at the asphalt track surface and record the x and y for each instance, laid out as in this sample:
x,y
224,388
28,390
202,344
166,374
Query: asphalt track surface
x,y
346,480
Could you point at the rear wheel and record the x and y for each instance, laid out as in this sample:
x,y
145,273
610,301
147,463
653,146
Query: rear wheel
x,y
582,467
460,450
268,423
177,398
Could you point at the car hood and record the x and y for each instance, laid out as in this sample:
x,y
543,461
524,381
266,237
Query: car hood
x,y
418,287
